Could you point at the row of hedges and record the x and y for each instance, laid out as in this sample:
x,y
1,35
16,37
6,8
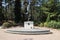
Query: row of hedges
x,y
51,24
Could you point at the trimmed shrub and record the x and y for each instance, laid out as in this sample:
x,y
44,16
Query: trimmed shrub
x,y
41,25
8,24
57,25
45,24
52,24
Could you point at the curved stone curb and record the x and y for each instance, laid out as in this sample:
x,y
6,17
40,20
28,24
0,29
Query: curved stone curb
x,y
29,31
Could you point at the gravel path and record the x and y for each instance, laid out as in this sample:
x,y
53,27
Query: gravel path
x,y
7,36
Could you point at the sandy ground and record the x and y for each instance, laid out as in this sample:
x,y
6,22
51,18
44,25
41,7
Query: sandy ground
x,y
7,36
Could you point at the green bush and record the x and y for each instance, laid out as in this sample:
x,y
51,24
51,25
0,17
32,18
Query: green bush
x,y
12,23
41,24
36,23
52,24
58,25
8,24
45,24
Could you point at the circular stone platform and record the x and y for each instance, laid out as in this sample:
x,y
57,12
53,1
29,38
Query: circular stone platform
x,y
34,31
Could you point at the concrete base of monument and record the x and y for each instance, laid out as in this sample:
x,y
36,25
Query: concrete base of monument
x,y
29,31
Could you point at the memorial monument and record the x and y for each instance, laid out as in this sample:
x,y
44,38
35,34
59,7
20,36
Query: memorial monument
x,y
28,25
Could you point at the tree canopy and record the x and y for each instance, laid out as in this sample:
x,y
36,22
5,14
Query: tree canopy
x,y
46,11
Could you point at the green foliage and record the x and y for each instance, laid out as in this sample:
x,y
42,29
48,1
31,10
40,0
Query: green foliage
x,y
12,23
8,24
46,12
36,23
45,24
52,24
41,25
50,9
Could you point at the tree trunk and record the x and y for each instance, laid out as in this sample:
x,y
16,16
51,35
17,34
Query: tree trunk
x,y
1,14
17,11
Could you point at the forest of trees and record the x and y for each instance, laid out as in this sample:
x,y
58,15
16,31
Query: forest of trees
x,y
48,10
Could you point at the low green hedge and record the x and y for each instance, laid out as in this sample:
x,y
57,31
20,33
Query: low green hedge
x,y
51,24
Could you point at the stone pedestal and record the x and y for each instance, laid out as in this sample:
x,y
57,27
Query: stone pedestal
x,y
28,25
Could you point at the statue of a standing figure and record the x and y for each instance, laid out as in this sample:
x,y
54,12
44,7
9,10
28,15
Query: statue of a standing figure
x,y
27,7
